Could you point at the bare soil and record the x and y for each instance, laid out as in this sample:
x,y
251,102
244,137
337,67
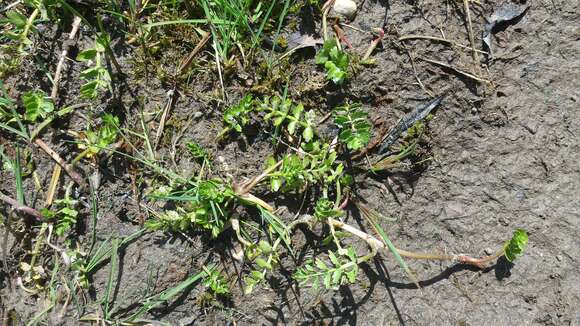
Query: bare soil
x,y
506,155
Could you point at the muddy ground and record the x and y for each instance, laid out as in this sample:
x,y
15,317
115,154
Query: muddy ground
x,y
506,155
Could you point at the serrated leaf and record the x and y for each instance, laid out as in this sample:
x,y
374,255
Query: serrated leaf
x,y
89,90
351,275
336,275
321,265
355,126
327,280
36,104
333,258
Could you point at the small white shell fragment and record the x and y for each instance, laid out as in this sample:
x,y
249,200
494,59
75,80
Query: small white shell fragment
x,y
346,8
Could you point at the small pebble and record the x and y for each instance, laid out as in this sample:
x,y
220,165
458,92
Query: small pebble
x,y
488,251
346,8
559,257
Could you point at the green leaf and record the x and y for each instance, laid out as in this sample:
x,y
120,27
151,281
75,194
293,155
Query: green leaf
x,y
16,18
89,90
262,263
516,246
356,129
335,61
86,55
265,247
328,280
36,104
395,253
321,265
336,276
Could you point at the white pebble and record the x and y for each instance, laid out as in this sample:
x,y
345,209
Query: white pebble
x,y
346,8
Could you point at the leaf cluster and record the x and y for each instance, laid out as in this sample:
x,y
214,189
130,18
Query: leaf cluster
x,y
96,77
354,125
206,208
283,112
96,140
335,61
37,104
215,281
265,258
199,153
516,245
64,217
318,166
342,269
324,209
238,116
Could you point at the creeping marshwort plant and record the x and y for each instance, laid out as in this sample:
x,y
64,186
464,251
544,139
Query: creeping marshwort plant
x,y
104,162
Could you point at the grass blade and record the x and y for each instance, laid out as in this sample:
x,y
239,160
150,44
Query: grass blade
x,y
158,299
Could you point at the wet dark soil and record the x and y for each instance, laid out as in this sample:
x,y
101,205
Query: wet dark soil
x,y
505,155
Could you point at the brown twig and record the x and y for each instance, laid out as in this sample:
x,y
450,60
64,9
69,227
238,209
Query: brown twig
x,y
20,208
186,63
436,39
471,38
57,75
459,71
75,176
172,94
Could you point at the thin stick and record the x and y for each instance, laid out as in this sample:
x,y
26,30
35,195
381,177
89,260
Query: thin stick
x,y
57,75
219,67
461,72
470,29
325,9
437,39
341,36
186,63
183,68
21,208
172,97
75,176
53,185
414,66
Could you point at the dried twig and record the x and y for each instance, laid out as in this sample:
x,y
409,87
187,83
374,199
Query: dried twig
x,y
437,39
53,185
20,208
75,176
459,71
471,38
173,93
341,35
57,75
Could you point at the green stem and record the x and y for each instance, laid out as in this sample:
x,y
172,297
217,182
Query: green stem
x,y
29,23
